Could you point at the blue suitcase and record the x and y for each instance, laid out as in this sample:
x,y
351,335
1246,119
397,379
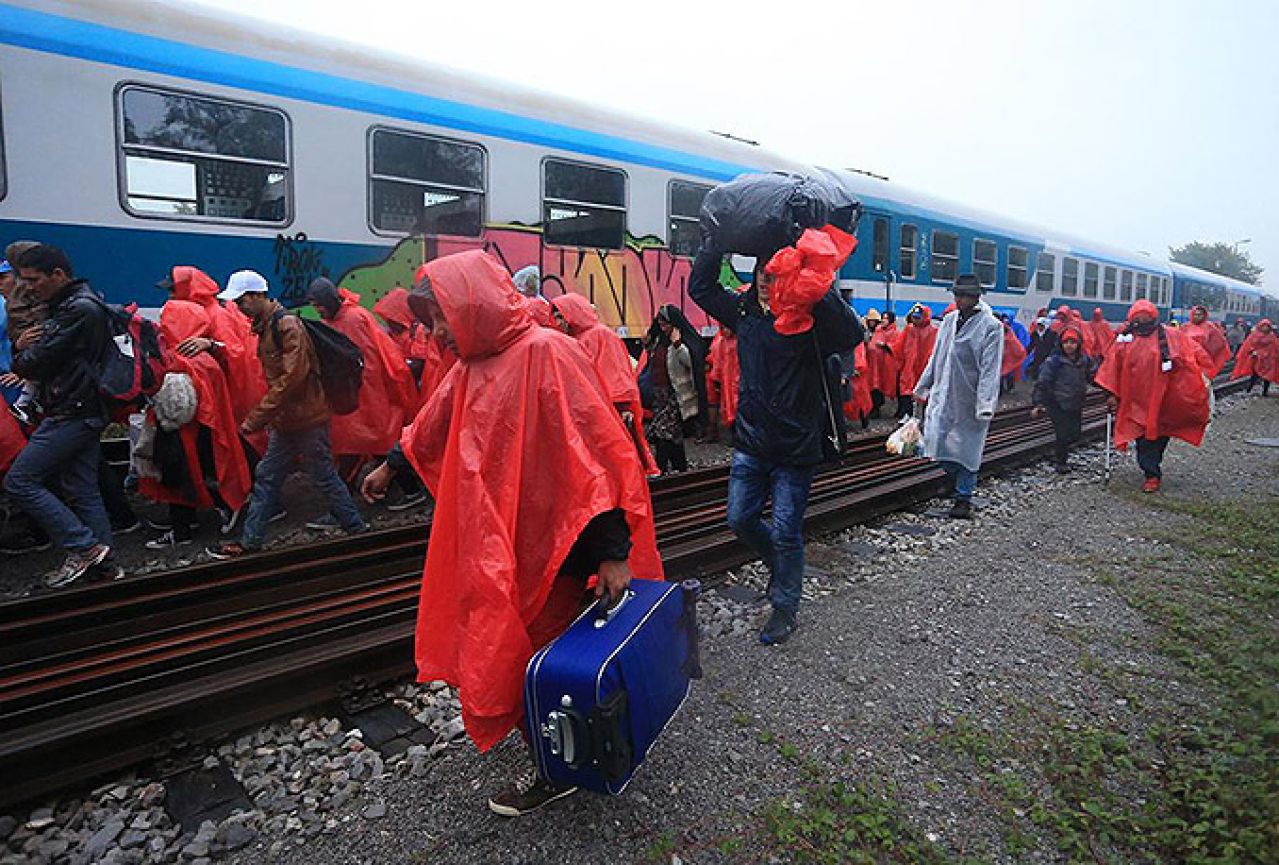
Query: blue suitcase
x,y
598,696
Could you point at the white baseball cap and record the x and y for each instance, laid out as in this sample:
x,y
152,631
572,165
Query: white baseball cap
x,y
241,283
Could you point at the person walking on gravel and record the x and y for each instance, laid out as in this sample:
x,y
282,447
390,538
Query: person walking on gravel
x,y
1156,378
294,409
960,388
777,437
1060,390
526,513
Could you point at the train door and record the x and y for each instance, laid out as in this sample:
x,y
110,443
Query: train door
x,y
880,236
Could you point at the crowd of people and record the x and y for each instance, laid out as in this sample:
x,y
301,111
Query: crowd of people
x,y
534,428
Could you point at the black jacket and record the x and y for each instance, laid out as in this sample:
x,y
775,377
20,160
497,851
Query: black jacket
x,y
65,361
780,413
1062,383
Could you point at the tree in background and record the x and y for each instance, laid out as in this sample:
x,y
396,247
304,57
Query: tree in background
x,y
1222,258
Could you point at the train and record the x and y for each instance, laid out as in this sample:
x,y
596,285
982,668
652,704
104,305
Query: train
x,y
143,134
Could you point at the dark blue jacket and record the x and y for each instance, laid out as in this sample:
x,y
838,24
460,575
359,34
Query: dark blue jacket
x,y
1062,383
780,411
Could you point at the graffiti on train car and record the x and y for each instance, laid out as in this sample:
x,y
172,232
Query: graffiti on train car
x,y
627,286
298,260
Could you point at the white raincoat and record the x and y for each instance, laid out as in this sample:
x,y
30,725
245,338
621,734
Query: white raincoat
x,y
961,383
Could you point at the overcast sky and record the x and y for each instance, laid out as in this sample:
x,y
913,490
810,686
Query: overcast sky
x,y
1142,124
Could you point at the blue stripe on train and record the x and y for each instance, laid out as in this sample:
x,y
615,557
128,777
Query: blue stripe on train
x,y
41,31
125,263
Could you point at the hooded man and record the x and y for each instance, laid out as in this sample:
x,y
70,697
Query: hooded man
x,y
1259,357
537,486
1155,376
1210,337
606,350
881,362
960,385
913,349
1099,334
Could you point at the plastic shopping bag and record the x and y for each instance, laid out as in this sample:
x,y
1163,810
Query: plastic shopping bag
x,y
906,439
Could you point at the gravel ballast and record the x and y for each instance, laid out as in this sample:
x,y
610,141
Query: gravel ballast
x,y
921,640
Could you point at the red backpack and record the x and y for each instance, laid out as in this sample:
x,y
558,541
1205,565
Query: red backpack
x,y
136,361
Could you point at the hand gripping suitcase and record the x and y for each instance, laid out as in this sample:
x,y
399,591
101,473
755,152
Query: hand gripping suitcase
x,y
598,696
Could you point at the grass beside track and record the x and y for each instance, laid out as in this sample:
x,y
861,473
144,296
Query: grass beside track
x,y
1168,779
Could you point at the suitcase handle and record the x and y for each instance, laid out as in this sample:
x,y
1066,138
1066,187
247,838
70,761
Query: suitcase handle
x,y
604,613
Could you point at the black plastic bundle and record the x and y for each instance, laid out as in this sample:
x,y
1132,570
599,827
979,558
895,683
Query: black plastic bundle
x,y
758,214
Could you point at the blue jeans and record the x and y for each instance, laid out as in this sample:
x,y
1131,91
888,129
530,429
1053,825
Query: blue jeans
x,y
965,479
311,446
751,482
63,453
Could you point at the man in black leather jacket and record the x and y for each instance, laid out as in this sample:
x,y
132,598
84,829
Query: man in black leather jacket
x,y
62,356
780,422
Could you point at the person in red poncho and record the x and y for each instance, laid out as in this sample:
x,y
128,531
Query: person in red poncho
x,y
578,318
201,465
388,395
913,348
1014,356
881,363
859,404
405,331
1155,376
1259,357
437,358
228,326
537,486
1099,333
723,378
1210,336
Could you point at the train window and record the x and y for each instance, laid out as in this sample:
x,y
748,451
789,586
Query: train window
x,y
1018,260
583,205
879,245
1141,286
1090,279
945,256
1045,272
907,250
684,207
1125,285
4,175
985,260
1070,276
420,184
204,158
1108,283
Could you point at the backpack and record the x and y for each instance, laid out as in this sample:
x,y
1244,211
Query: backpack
x,y
136,362
341,363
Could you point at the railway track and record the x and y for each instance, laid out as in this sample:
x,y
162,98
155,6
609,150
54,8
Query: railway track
x,y
101,677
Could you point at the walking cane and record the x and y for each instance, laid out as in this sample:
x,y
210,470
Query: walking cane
x,y
1110,427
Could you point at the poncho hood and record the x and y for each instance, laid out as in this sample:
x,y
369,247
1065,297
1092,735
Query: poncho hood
x,y
480,303
393,308
182,319
192,283
578,312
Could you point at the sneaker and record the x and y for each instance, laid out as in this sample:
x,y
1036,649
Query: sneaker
x,y
323,524
411,500
22,411
779,627
962,509
77,565
167,541
128,528
1150,486
229,550
22,546
230,519
527,795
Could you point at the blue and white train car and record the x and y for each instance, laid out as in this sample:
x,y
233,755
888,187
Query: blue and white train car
x,y
142,134
1226,299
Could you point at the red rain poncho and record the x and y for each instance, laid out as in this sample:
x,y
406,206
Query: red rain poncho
x,y
914,348
1213,341
228,326
521,449
438,361
1259,354
881,362
613,363
388,396
180,320
12,439
725,373
803,273
1014,354
860,403
409,335
1153,402
1099,332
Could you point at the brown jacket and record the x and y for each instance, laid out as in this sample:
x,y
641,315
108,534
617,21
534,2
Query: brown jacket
x,y
294,398
24,310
